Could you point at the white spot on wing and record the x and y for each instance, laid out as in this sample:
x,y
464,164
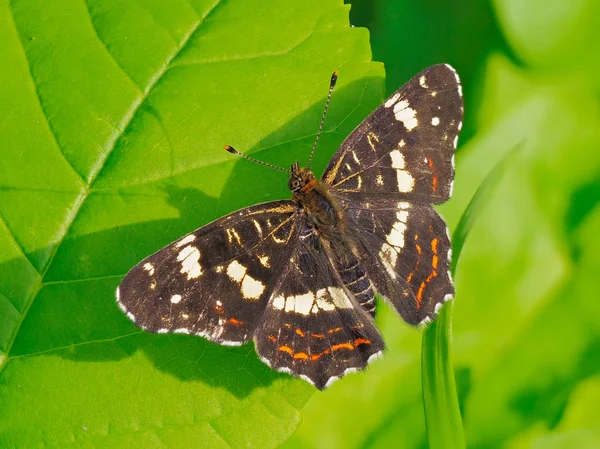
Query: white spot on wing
x,y
405,114
395,239
423,81
340,300
389,256
236,271
392,100
184,241
175,299
189,257
230,343
404,179
324,302
252,288
303,303
397,159
435,121
149,268
264,261
279,302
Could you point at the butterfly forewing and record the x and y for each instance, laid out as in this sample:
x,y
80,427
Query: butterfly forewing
x,y
314,327
216,281
405,149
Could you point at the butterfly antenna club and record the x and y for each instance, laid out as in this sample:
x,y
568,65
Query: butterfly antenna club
x,y
232,150
334,77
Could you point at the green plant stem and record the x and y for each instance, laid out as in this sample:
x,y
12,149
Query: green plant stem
x,y
440,400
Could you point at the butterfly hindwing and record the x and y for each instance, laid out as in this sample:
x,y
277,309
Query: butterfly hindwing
x,y
216,281
405,249
314,327
405,149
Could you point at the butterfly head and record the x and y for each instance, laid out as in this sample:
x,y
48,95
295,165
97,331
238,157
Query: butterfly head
x,y
301,179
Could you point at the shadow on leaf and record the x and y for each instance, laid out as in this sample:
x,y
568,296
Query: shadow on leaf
x,y
75,315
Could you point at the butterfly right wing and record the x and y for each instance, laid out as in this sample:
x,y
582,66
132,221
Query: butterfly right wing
x,y
216,281
404,150
405,249
314,327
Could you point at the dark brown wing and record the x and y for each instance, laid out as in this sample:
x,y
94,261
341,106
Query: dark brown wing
x,y
314,327
216,281
406,252
404,150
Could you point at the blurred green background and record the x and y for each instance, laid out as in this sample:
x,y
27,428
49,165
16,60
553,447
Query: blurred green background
x,y
526,323
112,119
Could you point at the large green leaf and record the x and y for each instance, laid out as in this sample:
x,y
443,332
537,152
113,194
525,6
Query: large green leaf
x,y
113,115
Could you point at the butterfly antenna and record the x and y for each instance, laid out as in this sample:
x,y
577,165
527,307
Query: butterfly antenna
x,y
266,164
331,86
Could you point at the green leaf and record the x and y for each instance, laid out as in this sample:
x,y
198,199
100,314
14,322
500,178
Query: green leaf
x,y
440,400
113,116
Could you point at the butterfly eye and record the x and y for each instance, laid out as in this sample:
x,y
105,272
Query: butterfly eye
x,y
294,184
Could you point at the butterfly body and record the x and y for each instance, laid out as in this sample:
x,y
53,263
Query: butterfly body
x,y
299,276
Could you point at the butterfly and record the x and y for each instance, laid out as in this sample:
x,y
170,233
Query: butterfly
x,y
299,276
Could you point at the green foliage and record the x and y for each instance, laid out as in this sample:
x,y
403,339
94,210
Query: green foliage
x,y
113,116
112,119
526,320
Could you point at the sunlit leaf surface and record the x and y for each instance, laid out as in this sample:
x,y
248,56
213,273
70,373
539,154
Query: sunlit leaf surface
x,y
113,116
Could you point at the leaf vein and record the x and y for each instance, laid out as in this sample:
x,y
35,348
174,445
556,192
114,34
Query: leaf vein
x,y
16,243
96,171
74,345
41,103
87,6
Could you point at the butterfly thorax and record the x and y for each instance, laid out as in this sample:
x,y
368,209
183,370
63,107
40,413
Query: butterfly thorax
x,y
313,196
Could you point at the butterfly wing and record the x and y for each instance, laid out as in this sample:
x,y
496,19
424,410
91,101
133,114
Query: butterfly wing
x,y
405,249
387,173
313,327
405,149
216,281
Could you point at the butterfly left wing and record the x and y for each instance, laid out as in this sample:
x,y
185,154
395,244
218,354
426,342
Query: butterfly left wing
x,y
216,281
313,327
404,150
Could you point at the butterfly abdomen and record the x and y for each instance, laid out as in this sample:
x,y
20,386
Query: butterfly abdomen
x,y
355,278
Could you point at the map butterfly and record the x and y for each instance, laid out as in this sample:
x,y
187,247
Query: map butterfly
x,y
299,276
